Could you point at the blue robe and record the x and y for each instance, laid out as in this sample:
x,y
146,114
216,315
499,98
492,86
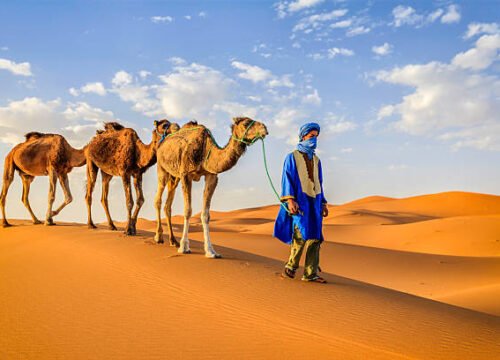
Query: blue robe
x,y
295,184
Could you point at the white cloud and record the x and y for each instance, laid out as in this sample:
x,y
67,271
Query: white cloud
x,y
176,60
73,91
482,56
481,28
140,95
405,15
144,74
341,24
95,88
283,81
316,21
346,150
83,111
4,48
187,17
191,91
334,51
312,98
162,19
451,102
22,69
252,72
122,78
202,14
382,50
358,30
452,15
337,125
286,7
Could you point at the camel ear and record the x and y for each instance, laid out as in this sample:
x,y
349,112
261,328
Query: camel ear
x,y
236,120
155,123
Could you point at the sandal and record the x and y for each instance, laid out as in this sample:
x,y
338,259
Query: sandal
x,y
289,273
317,279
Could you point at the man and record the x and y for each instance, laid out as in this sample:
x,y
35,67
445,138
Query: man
x,y
302,192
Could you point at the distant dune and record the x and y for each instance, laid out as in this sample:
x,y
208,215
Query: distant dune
x,y
409,278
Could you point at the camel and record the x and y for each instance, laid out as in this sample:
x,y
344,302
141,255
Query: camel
x,y
41,155
188,155
118,151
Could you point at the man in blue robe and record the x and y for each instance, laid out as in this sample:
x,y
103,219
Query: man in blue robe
x,y
300,219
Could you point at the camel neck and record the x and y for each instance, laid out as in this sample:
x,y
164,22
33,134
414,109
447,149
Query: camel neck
x,y
78,157
217,160
146,154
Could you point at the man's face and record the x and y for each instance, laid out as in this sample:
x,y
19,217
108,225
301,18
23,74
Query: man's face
x,y
310,134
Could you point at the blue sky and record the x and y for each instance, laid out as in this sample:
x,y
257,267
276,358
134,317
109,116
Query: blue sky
x,y
407,93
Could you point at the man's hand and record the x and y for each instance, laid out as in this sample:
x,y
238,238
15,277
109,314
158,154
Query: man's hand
x,y
293,206
324,211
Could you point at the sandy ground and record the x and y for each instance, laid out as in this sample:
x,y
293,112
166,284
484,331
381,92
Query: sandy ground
x,y
415,278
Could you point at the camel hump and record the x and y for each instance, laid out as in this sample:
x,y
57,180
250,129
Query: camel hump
x,y
191,124
113,126
34,135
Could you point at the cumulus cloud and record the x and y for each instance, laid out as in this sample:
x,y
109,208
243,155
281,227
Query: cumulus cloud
x,y
452,15
252,72
76,121
482,55
312,98
405,15
475,29
192,90
382,50
451,102
95,87
22,69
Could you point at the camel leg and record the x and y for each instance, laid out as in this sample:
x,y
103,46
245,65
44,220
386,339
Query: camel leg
x,y
27,180
91,179
139,200
172,185
68,198
52,197
210,185
8,177
130,203
106,178
162,181
186,189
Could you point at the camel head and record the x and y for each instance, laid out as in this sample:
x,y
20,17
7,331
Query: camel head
x,y
162,129
248,130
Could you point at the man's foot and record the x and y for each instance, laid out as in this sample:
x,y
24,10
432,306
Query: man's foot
x,y
288,273
317,279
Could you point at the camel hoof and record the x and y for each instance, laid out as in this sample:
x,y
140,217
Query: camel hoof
x,y
37,222
91,226
112,227
158,239
6,224
213,256
49,222
175,243
128,232
184,251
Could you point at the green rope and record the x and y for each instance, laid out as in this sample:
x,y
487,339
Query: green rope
x,y
269,176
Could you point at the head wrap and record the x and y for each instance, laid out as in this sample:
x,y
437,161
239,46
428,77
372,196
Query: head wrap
x,y
308,146
307,128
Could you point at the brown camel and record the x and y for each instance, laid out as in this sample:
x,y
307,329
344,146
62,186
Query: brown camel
x,y
40,155
118,151
190,154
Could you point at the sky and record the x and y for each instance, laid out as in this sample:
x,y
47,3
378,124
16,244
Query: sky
x,y
407,93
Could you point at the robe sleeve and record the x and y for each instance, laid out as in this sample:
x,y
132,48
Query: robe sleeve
x,y
288,185
320,174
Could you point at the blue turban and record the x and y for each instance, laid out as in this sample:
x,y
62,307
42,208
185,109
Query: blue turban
x,y
307,128
307,146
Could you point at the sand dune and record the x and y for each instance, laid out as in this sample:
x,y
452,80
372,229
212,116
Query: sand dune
x,y
396,291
